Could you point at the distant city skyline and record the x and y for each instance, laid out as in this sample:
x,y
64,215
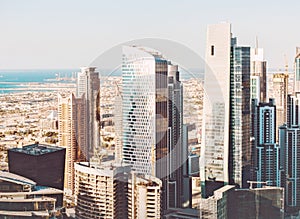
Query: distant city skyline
x,y
70,34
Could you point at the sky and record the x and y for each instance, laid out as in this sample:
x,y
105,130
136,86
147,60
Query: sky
x,y
55,34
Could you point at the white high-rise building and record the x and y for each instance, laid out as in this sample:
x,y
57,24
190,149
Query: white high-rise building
x,y
152,120
144,197
145,121
145,114
88,88
215,133
258,69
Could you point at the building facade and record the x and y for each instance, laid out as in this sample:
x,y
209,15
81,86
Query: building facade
x,y
71,135
267,162
255,87
43,164
289,140
259,70
152,120
228,202
226,150
88,89
21,197
144,197
118,122
297,71
176,153
240,124
280,92
101,190
216,107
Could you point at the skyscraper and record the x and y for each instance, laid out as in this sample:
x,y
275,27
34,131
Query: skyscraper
x,y
118,120
88,88
289,140
145,110
176,159
152,140
280,92
226,150
259,72
67,137
297,71
266,153
240,124
71,135
216,107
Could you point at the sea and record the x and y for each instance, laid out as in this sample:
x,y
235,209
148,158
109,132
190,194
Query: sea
x,y
11,80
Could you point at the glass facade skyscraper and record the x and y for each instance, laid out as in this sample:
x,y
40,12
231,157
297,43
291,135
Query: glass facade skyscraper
x,y
240,124
145,110
176,153
152,120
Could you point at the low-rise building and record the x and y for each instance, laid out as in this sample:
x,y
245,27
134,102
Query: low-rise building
x,y
21,197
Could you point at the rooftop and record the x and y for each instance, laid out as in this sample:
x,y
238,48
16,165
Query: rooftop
x,y
11,177
188,213
24,213
37,149
107,168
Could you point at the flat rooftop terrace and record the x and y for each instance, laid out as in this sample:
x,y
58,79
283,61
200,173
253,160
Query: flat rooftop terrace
x,y
37,149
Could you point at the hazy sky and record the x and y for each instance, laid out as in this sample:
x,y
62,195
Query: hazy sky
x,y
71,33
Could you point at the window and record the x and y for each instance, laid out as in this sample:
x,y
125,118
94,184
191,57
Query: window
x,y
212,50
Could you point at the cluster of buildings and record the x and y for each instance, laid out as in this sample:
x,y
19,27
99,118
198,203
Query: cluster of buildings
x,y
249,143
149,164
148,175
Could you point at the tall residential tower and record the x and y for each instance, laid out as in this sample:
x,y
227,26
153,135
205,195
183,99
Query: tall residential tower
x,y
88,88
266,153
71,135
